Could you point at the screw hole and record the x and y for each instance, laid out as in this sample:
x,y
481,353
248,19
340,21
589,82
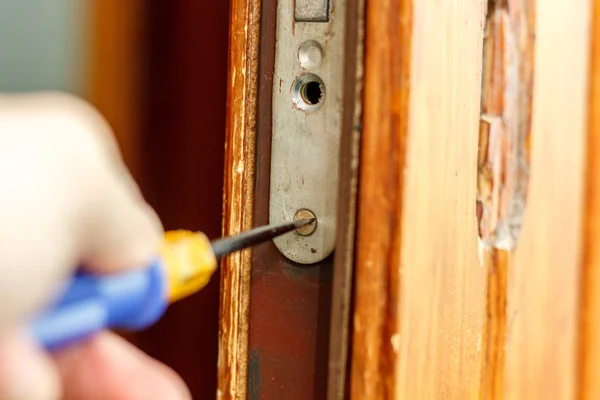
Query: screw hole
x,y
308,92
311,92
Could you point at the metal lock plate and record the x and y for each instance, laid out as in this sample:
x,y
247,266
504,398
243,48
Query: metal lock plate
x,y
307,111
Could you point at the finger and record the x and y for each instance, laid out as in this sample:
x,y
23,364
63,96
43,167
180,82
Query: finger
x,y
25,371
109,368
66,200
116,228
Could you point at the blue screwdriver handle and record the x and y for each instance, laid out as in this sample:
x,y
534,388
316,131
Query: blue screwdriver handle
x,y
132,300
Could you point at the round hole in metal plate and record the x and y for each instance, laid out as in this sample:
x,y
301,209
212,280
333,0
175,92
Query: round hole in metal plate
x,y
308,92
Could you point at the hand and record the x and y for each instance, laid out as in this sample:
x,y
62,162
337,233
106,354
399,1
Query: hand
x,y
66,200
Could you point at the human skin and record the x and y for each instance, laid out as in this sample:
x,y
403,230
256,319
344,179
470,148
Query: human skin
x,y
67,200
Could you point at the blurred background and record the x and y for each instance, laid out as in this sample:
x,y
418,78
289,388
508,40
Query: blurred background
x,y
157,71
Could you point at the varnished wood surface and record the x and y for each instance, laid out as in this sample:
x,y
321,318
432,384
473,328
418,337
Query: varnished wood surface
x,y
589,346
385,128
419,285
238,196
545,269
495,263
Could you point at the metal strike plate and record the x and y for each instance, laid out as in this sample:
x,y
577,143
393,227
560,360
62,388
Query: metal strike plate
x,y
307,112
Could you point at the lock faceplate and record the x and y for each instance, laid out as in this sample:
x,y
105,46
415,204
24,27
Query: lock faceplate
x,y
306,129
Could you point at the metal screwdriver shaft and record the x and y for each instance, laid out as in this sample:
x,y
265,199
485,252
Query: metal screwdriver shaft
x,y
224,246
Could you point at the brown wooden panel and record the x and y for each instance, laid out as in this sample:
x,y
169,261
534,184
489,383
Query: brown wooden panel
x,y
385,117
419,285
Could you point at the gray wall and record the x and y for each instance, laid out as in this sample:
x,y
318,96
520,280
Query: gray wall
x,y
42,44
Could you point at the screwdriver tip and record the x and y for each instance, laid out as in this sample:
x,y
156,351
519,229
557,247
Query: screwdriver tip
x,y
303,222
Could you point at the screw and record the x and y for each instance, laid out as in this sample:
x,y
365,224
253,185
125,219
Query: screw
x,y
306,230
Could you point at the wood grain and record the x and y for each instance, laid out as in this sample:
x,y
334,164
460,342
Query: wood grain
x,y
238,196
495,263
442,281
589,345
544,273
419,286
385,128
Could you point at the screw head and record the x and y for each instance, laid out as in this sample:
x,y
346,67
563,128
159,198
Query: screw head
x,y
309,229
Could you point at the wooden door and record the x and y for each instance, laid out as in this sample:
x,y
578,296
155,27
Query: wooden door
x,y
420,289
440,314
474,268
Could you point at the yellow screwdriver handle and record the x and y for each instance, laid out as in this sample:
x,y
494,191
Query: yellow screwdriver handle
x,y
189,262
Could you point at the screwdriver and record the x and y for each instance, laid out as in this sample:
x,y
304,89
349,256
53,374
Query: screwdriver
x,y
136,299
